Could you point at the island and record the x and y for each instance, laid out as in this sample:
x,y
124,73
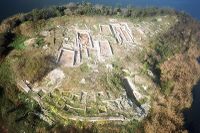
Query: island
x,y
93,68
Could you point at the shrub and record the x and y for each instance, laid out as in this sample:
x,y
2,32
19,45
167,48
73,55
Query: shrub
x,y
46,13
40,41
30,104
18,42
166,87
145,68
131,127
84,68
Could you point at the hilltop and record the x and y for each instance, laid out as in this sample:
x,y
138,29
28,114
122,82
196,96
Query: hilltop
x,y
96,68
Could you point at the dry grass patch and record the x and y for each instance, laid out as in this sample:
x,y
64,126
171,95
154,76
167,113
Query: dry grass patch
x,y
31,64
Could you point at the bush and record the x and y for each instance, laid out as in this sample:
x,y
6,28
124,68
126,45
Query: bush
x,y
131,127
40,41
166,87
84,68
145,68
18,42
46,13
29,103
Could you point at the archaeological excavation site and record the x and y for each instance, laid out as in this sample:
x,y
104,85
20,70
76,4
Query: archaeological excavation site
x,y
85,68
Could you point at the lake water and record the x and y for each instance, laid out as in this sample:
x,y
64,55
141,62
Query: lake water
x,y
10,7
191,115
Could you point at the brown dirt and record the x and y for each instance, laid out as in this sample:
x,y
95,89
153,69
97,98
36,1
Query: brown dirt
x,y
105,30
84,39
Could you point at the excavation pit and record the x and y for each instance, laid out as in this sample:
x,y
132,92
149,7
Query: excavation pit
x,y
66,58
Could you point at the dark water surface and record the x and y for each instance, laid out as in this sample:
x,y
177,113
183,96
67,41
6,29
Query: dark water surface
x,y
10,7
192,115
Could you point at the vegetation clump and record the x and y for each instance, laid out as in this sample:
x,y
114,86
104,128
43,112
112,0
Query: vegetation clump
x,y
47,13
40,41
166,87
18,43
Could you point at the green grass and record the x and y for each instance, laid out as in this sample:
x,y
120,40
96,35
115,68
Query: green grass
x,y
18,42
166,87
112,82
6,75
143,101
84,68
131,127
40,41
115,81
145,68
92,111
28,102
